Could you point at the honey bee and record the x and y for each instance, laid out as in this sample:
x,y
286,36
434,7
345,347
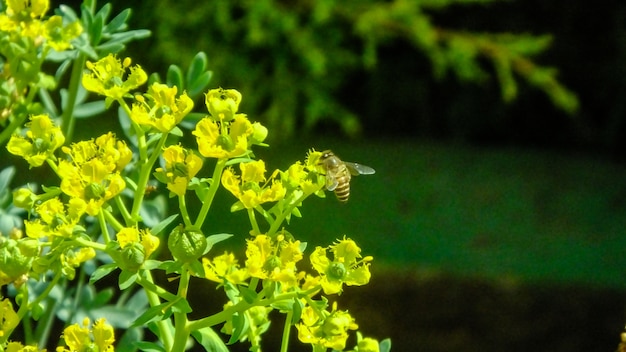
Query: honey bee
x,y
339,173
151,187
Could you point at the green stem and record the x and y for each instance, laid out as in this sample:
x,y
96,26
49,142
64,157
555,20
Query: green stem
x,y
144,173
164,331
182,204
181,333
242,306
280,218
103,227
123,211
253,223
284,345
68,119
206,203
7,132
268,217
86,243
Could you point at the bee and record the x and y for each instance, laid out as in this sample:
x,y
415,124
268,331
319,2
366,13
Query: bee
x,y
339,173
151,187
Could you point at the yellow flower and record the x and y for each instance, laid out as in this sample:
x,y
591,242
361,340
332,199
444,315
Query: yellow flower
x,y
181,165
41,140
55,219
224,268
222,103
253,171
71,259
92,176
165,110
8,318
24,17
108,77
103,335
112,152
248,190
18,347
228,143
82,338
93,183
346,266
131,235
325,329
274,259
58,36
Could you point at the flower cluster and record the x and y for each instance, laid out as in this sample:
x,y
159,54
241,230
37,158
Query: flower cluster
x,y
136,246
251,188
181,165
24,19
160,108
346,267
41,139
108,77
26,39
92,174
96,337
225,133
325,329
274,260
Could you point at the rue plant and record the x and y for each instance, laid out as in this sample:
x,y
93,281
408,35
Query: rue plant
x,y
95,215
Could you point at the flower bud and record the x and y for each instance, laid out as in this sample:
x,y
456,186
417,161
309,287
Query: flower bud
x,y
223,103
133,256
24,198
16,258
259,133
368,345
186,245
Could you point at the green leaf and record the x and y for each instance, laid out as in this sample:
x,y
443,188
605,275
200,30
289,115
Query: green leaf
x,y
213,239
297,311
110,48
89,109
199,84
95,30
385,345
118,22
197,66
101,272
248,294
125,37
103,297
153,314
48,103
156,230
208,339
126,279
181,306
148,346
5,178
200,187
240,327
175,77
237,206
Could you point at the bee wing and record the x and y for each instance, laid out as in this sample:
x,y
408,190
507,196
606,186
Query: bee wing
x,y
331,183
358,169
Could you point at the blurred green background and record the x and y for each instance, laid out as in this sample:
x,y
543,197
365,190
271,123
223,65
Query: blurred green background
x,y
497,215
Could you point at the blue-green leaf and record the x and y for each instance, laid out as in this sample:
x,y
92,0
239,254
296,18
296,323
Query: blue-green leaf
x,y
209,340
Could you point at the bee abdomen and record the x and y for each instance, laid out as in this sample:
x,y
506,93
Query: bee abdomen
x,y
343,192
